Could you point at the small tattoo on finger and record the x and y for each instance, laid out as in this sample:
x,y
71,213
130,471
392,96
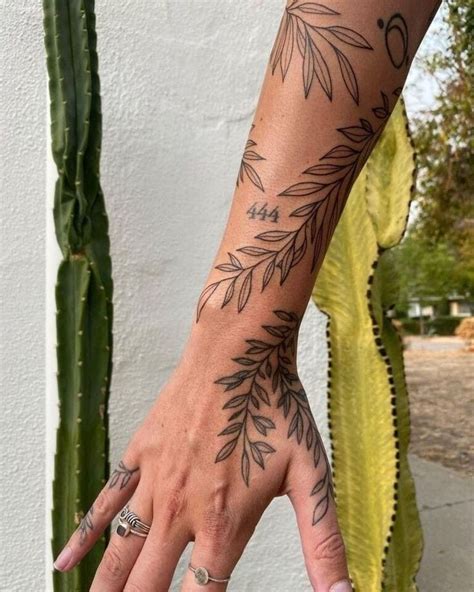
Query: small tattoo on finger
x,y
86,525
121,475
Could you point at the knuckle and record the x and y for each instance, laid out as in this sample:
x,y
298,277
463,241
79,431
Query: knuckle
x,y
220,525
329,548
217,525
112,564
144,447
174,507
194,441
135,445
141,439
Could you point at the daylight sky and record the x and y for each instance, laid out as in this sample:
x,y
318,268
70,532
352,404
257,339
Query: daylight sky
x,y
420,88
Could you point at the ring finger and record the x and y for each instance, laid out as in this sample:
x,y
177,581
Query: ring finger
x,y
219,543
211,565
122,551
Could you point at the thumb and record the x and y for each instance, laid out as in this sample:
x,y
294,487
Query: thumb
x,y
311,493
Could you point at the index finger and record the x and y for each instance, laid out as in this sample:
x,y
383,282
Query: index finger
x,y
114,495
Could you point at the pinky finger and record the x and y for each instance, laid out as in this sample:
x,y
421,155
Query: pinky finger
x,y
111,499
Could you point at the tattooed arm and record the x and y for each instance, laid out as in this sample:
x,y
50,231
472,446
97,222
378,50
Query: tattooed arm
x,y
333,79
232,429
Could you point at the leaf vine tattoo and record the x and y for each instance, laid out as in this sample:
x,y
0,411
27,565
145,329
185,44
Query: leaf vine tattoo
x,y
247,169
121,474
86,525
316,43
268,367
327,188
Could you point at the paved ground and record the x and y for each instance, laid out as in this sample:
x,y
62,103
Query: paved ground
x,y
440,377
446,343
446,503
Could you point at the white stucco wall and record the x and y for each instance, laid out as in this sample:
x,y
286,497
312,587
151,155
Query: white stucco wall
x,y
22,297
180,82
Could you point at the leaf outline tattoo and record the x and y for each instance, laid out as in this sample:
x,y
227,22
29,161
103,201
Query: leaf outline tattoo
x,y
86,525
122,473
246,168
296,30
331,180
273,362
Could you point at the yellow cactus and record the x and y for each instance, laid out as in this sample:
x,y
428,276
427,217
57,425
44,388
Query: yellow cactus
x,y
368,406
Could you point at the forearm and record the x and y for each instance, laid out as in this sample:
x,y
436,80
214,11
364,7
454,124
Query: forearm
x,y
333,78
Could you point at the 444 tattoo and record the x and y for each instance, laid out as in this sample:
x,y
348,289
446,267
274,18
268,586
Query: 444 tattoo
x,y
256,211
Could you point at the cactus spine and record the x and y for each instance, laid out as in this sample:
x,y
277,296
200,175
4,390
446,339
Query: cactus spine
x,y
367,396
84,284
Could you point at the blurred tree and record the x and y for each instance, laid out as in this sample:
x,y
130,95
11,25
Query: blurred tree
x,y
444,138
437,256
426,272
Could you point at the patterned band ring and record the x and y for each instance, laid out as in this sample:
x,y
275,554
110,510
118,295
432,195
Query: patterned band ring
x,y
130,523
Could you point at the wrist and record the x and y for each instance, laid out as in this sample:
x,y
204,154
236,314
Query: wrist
x,y
224,334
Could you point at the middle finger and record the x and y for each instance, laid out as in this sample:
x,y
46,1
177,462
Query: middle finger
x,y
165,544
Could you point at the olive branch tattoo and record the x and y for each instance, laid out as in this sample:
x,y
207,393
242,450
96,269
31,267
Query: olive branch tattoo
x,y
246,167
328,189
272,362
86,525
121,474
315,43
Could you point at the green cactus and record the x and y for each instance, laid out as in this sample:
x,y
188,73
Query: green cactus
x,y
84,286
367,396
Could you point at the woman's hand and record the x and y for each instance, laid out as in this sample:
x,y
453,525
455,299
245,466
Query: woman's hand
x,y
230,431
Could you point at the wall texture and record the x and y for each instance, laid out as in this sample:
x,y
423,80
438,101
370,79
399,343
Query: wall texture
x,y
180,85
22,300
180,81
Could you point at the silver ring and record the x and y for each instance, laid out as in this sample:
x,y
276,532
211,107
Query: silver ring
x,y
130,523
202,577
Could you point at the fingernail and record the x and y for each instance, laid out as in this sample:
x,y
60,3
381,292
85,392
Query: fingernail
x,y
63,559
342,586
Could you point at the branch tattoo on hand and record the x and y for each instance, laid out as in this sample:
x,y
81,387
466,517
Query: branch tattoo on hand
x,y
267,378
